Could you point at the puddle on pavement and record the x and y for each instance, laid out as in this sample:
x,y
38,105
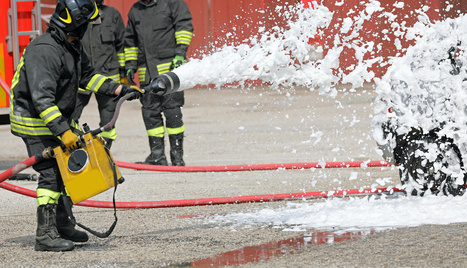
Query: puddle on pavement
x,y
264,252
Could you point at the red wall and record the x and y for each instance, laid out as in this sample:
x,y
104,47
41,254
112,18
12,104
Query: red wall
x,y
372,29
201,12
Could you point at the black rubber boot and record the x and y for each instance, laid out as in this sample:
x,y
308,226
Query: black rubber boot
x,y
65,227
157,155
176,149
47,237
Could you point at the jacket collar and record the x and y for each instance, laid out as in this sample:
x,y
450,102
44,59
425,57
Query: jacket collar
x,y
151,3
57,33
60,36
101,12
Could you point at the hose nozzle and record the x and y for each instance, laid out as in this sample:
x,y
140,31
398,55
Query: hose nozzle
x,y
164,84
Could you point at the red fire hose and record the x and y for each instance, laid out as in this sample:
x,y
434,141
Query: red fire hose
x,y
343,164
46,154
215,200
208,201
18,168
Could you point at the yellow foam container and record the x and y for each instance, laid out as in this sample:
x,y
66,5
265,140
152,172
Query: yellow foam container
x,y
88,171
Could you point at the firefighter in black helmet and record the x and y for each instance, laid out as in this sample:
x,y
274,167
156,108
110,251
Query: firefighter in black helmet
x,y
43,97
157,38
103,43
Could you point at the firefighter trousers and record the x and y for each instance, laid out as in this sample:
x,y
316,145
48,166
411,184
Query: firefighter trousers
x,y
49,174
154,106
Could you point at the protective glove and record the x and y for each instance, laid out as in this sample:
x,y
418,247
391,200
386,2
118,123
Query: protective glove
x,y
70,140
124,81
130,75
177,61
130,89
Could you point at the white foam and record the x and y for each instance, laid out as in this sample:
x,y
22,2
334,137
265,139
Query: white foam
x,y
280,58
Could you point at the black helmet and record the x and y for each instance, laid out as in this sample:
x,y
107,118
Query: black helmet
x,y
71,14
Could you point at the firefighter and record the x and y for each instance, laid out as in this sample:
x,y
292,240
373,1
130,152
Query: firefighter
x,y
157,38
43,96
103,43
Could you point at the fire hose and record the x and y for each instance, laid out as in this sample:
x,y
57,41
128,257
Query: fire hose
x,y
231,168
216,200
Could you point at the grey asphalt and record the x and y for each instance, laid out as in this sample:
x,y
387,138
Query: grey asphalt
x,y
232,127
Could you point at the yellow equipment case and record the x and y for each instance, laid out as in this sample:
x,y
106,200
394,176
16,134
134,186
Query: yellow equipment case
x,y
89,170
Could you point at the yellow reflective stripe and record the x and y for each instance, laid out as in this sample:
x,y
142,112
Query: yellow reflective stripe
x,y
121,59
46,196
18,68
174,131
95,83
111,134
183,37
164,67
115,77
50,114
32,126
142,74
128,57
32,131
28,121
156,132
12,93
131,50
131,53
75,125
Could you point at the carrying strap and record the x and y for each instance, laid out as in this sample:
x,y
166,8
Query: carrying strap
x,y
67,203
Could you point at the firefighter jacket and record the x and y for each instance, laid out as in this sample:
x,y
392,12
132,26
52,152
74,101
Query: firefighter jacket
x,y
45,85
155,33
104,45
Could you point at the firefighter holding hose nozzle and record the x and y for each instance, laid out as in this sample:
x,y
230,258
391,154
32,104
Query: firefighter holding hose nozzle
x,y
43,96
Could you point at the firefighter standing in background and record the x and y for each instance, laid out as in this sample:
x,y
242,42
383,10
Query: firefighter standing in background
x,y
43,97
103,43
157,37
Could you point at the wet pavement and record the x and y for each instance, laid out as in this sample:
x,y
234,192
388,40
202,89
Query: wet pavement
x,y
263,252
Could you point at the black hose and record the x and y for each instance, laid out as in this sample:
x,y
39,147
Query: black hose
x,y
110,125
